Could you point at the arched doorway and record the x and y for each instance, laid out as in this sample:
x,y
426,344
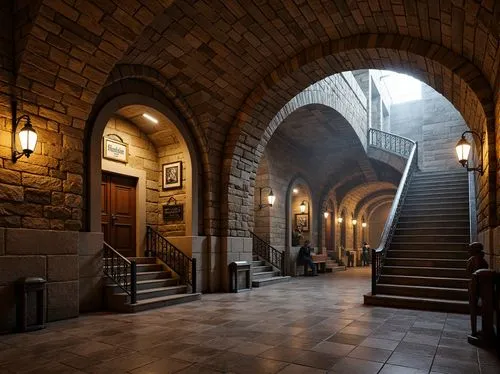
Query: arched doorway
x,y
161,171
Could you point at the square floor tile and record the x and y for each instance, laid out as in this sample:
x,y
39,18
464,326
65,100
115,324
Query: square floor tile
x,y
380,343
334,349
316,359
349,365
370,354
299,369
410,360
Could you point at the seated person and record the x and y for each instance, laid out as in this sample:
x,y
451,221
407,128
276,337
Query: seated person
x,y
304,258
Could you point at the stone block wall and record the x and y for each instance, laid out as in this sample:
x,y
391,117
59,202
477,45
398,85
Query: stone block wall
x,y
435,124
173,151
52,255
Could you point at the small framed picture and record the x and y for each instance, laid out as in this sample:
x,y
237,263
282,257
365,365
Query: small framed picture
x,y
115,150
302,222
172,175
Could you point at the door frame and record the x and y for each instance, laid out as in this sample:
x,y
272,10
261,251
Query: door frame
x,y
140,199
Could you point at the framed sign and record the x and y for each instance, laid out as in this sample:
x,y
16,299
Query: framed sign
x,y
173,212
172,175
115,150
302,222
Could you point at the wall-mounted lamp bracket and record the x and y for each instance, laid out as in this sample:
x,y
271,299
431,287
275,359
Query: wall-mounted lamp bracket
x,y
27,135
463,148
270,197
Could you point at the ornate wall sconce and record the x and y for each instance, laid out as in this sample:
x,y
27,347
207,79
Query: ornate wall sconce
x,y
303,206
354,221
27,136
270,198
463,148
363,224
326,214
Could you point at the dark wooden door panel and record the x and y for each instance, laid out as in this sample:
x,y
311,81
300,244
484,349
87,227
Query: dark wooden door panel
x,y
119,212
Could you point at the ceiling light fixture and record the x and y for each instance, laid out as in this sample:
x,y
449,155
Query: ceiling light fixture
x,y
150,118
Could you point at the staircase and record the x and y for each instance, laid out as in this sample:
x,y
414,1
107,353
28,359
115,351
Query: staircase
x,y
156,288
265,274
424,267
332,265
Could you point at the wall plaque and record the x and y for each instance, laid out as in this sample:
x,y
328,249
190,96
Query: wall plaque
x,y
173,212
115,150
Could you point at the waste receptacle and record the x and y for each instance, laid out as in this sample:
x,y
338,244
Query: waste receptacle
x,y
25,287
240,276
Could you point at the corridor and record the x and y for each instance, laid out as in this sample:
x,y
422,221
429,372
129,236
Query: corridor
x,y
305,326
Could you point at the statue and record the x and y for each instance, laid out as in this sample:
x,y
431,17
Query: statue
x,y
481,296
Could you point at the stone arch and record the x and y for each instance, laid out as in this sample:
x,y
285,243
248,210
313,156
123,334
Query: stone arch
x,y
451,74
119,95
362,204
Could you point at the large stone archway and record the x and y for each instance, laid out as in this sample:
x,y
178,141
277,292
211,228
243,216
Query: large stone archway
x,y
449,73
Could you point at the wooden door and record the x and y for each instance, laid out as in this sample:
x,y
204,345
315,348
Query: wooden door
x,y
118,212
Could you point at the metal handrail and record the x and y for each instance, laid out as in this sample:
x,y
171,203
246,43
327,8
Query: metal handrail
x,y
118,268
400,147
185,266
265,250
472,208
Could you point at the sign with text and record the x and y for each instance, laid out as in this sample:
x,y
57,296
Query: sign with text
x,y
115,150
173,213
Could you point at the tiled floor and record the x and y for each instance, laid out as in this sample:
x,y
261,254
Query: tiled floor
x,y
307,326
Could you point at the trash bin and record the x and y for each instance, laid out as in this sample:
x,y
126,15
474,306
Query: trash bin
x,y
240,276
24,287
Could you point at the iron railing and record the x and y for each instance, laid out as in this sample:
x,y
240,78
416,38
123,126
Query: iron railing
x,y
390,142
121,270
472,208
406,148
266,251
183,265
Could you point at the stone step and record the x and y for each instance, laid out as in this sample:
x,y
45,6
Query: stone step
x,y
451,306
261,268
424,281
432,231
150,275
426,262
265,274
160,302
427,211
438,198
457,171
429,246
452,255
146,284
143,260
150,293
433,216
423,291
458,224
258,263
398,238
424,271
430,189
435,205
335,269
426,183
261,282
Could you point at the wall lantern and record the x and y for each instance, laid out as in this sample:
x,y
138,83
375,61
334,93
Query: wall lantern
x,y
354,221
270,198
340,219
303,206
326,214
463,149
27,136
363,224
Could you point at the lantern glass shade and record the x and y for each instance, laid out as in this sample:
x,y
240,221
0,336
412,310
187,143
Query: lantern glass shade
x,y
354,222
271,198
303,207
28,138
340,219
326,214
463,149
363,224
